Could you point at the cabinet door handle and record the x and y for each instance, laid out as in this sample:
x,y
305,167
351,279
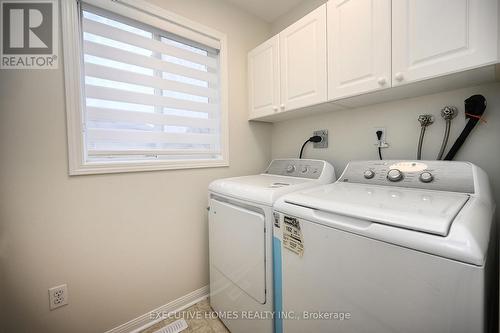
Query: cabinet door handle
x,y
282,106
381,81
399,76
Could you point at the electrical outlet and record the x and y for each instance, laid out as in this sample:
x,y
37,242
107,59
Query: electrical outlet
x,y
383,140
58,296
324,139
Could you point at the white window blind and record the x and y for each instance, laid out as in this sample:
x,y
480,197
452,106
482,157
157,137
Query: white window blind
x,y
148,94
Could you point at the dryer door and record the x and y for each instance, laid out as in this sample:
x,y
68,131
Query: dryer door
x,y
237,246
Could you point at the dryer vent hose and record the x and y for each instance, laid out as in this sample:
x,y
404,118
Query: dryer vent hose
x,y
474,109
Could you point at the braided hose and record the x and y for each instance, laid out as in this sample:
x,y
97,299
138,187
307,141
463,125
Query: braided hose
x,y
425,120
448,113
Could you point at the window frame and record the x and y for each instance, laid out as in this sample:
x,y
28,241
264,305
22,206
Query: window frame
x,y
157,17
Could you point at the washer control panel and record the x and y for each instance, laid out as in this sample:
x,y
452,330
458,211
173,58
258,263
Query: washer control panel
x,y
302,168
433,175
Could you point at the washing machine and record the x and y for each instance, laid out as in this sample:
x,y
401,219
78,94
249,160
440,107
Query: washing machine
x,y
240,239
392,246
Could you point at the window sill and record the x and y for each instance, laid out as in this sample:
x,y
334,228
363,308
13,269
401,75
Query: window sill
x,y
95,168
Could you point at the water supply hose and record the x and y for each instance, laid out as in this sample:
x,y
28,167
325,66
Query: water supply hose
x,y
425,120
448,113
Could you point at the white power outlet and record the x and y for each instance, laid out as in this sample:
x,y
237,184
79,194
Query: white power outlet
x,y
324,139
383,143
58,296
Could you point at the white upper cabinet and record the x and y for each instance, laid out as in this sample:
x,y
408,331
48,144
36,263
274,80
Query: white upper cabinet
x,y
303,61
359,47
436,37
264,79
350,53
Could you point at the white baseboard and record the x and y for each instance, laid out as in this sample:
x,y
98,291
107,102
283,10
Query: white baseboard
x,y
144,321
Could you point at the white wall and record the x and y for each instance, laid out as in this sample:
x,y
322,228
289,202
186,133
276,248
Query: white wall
x,y
352,134
124,243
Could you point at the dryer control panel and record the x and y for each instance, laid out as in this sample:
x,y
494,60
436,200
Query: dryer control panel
x,y
432,175
302,168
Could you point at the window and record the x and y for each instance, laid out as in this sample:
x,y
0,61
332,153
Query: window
x,y
144,89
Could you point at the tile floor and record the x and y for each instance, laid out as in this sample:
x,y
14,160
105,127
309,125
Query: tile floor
x,y
199,317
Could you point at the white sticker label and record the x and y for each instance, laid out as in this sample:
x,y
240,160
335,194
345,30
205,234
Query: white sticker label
x,y
292,236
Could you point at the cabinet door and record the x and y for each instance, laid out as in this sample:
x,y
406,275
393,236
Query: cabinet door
x,y
303,61
359,46
263,79
437,37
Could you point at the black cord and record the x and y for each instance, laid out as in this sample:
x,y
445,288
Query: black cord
x,y
315,138
302,149
379,137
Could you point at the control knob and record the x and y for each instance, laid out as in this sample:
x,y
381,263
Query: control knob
x,y
290,168
369,174
426,177
304,169
394,175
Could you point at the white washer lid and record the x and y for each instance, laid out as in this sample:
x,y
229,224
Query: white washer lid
x,y
263,189
427,211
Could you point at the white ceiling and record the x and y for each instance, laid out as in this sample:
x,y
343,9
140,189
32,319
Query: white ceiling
x,y
268,10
